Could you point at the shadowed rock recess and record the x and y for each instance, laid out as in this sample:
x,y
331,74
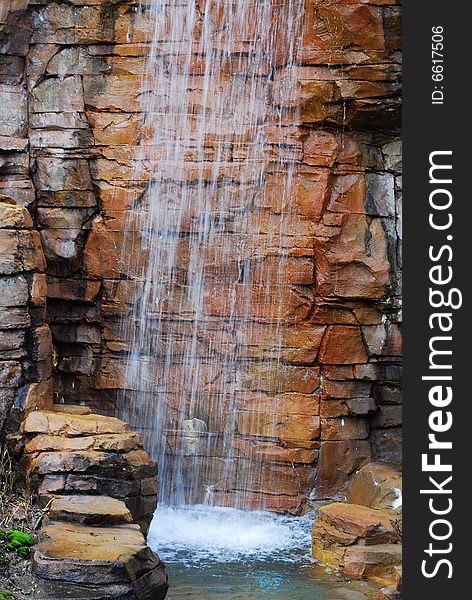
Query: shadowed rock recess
x,y
76,166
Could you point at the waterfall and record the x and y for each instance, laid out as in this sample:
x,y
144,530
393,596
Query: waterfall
x,y
209,243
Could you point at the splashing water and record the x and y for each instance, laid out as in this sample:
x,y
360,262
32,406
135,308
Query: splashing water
x,y
226,534
209,242
222,552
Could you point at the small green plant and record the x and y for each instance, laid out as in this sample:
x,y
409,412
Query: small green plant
x,y
6,476
17,540
6,595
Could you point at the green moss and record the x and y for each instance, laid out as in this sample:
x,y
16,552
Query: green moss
x,y
17,540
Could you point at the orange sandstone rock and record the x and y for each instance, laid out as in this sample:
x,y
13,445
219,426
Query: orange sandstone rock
x,y
90,510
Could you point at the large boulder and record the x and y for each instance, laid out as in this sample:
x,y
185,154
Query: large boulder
x,y
72,555
358,541
376,485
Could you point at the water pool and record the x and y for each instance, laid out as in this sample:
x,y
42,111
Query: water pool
x,y
214,553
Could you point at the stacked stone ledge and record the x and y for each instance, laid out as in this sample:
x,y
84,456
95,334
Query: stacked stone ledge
x,y
25,337
67,453
361,538
99,487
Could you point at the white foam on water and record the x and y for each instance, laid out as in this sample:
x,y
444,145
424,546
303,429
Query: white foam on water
x,y
204,533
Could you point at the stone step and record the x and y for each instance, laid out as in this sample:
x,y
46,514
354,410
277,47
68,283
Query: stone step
x,y
74,554
90,510
135,464
65,424
90,548
73,409
110,442
140,496
90,454
376,485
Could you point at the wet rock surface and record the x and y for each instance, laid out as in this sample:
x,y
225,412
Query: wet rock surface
x,y
72,136
363,540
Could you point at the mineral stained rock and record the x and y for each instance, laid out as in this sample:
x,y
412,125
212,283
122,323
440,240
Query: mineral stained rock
x,y
89,454
362,538
71,152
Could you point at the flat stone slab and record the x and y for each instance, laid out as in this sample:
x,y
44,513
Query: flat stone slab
x,y
111,442
90,510
64,540
372,561
135,464
59,423
74,555
73,409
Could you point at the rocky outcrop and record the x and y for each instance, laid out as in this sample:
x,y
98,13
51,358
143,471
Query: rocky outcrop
x,y
363,540
25,337
89,549
378,486
99,490
91,455
72,131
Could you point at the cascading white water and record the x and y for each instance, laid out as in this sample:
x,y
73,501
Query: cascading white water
x,y
216,553
209,297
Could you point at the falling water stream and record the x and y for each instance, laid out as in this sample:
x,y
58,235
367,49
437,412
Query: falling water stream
x,y
210,274
210,243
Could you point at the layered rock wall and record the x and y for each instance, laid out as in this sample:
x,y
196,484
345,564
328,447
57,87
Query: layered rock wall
x,y
72,124
25,337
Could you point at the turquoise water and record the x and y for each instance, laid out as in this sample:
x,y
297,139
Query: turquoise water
x,y
223,553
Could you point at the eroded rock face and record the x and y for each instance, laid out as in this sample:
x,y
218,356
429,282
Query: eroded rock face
x,y
72,125
25,338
